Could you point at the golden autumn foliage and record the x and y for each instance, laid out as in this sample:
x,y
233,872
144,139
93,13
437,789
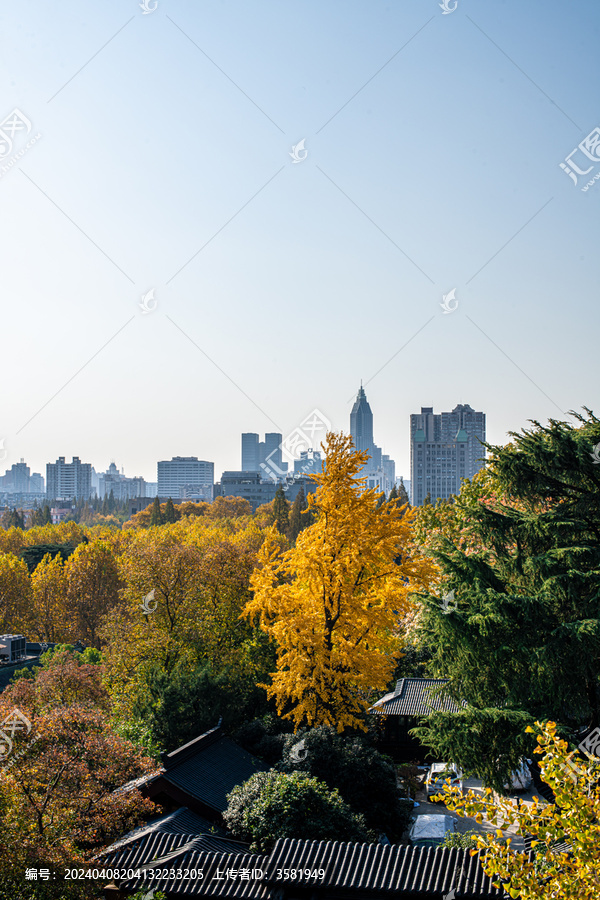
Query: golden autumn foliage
x,y
335,602
47,619
15,592
195,576
565,863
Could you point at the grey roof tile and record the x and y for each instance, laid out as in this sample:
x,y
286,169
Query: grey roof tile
x,y
417,697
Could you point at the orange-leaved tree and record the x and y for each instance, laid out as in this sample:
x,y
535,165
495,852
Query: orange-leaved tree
x,y
335,602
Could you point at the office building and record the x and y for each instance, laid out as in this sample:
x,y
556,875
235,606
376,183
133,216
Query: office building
x,y
249,486
65,481
444,449
17,480
379,469
122,488
361,423
186,478
265,456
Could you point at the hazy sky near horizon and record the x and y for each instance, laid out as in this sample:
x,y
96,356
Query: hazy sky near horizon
x,y
430,164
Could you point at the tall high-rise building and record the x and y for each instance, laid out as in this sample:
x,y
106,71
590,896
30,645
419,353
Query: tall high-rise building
x,y
263,456
250,452
444,449
379,469
65,481
186,477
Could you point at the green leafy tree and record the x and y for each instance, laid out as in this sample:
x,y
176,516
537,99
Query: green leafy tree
x,y
515,625
177,706
363,777
272,805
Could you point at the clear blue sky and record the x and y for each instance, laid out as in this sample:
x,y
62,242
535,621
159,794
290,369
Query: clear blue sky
x,y
434,144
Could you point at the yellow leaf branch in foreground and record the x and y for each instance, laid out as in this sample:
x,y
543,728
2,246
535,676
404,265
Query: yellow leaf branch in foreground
x,y
551,871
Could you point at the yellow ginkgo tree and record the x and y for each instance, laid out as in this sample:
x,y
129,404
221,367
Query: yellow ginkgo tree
x,y
564,860
334,603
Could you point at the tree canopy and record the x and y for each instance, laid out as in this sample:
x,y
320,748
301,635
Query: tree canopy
x,y
519,553
334,602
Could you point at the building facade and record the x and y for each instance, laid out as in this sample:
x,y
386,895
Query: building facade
x,y
444,449
122,488
264,456
249,486
65,481
186,478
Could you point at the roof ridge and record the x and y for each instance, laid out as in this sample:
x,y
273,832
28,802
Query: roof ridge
x,y
175,757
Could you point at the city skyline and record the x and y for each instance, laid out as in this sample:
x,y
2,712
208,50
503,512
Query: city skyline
x,y
292,199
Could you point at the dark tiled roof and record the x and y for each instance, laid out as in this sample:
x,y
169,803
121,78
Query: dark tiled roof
x,y
379,869
182,821
209,767
416,697
215,880
148,849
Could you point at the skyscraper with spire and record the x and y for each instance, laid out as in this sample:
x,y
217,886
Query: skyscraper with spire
x,y
361,423
379,476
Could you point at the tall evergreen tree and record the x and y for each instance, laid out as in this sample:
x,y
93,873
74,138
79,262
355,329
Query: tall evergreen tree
x,y
298,519
111,502
520,558
170,514
402,494
157,517
281,511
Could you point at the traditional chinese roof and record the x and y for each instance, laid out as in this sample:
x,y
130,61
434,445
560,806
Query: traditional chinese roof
x,y
376,870
416,697
200,774
350,870
217,878
209,767
182,821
